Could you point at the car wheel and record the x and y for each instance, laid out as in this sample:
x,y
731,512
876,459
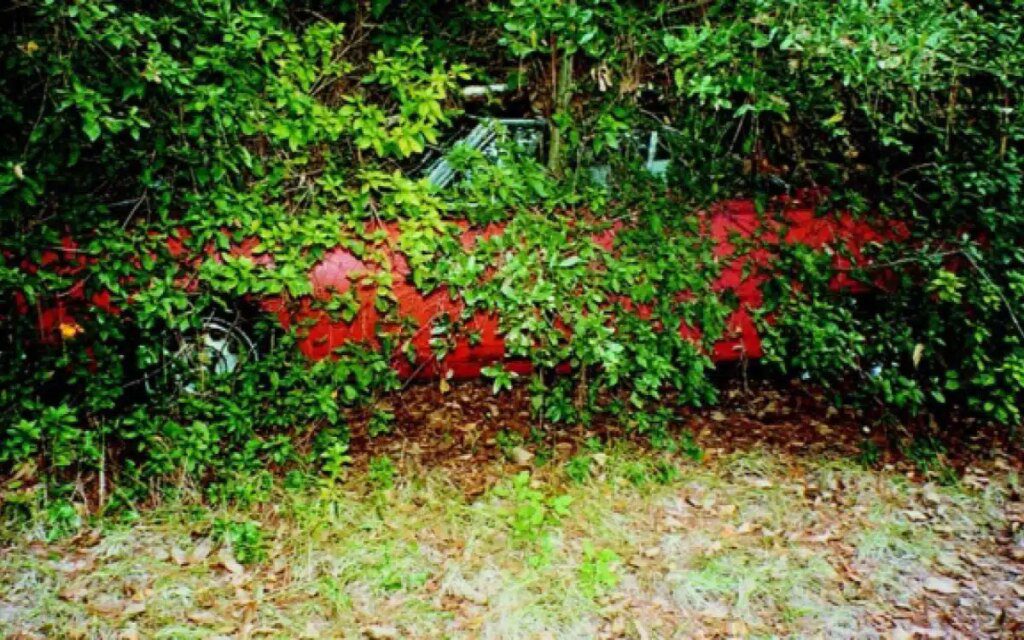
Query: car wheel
x,y
219,347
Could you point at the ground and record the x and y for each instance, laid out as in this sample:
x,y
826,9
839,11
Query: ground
x,y
773,520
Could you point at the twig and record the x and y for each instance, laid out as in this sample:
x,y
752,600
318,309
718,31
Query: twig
x,y
999,292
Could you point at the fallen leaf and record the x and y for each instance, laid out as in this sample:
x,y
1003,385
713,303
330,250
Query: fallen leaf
x,y
227,560
134,609
200,552
130,633
204,617
521,456
108,606
179,556
938,584
715,610
466,592
73,593
381,632
618,627
641,630
673,523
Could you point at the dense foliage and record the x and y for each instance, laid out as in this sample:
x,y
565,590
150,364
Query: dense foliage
x,y
126,124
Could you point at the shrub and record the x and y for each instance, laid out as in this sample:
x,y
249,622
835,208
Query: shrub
x,y
133,130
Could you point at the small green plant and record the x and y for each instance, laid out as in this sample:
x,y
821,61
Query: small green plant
x,y
501,376
392,574
244,537
543,454
242,489
868,454
577,468
528,511
382,472
381,423
688,446
508,441
62,519
665,472
296,480
637,472
597,572
925,452
330,452
593,445
929,457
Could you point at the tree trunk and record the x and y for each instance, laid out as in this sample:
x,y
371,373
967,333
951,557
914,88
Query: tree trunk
x,y
562,81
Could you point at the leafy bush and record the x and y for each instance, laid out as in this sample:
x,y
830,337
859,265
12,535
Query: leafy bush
x,y
135,134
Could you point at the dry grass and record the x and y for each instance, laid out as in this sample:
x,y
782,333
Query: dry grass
x,y
748,544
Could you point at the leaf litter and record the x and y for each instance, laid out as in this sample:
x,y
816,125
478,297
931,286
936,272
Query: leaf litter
x,y
777,532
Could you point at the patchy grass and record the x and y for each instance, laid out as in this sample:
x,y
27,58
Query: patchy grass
x,y
630,544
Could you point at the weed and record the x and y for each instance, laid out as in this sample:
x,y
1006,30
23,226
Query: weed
x,y
929,457
242,489
394,574
597,573
381,423
530,513
924,452
295,480
244,537
508,441
637,472
330,451
331,588
381,472
688,446
543,454
62,520
665,472
869,454
577,468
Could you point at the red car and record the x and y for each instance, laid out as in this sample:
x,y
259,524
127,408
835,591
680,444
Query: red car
x,y
223,342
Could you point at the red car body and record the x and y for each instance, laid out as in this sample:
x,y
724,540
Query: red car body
x,y
320,333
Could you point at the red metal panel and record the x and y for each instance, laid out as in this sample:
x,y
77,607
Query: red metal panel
x,y
743,271
745,243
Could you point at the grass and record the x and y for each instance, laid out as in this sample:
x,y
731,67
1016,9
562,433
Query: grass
x,y
750,544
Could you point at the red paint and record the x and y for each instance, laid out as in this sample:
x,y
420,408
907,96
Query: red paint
x,y
743,271
745,243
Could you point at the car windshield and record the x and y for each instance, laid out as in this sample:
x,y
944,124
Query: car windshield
x,y
487,137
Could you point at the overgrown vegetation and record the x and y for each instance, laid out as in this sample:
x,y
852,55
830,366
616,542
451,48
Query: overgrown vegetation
x,y
138,133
